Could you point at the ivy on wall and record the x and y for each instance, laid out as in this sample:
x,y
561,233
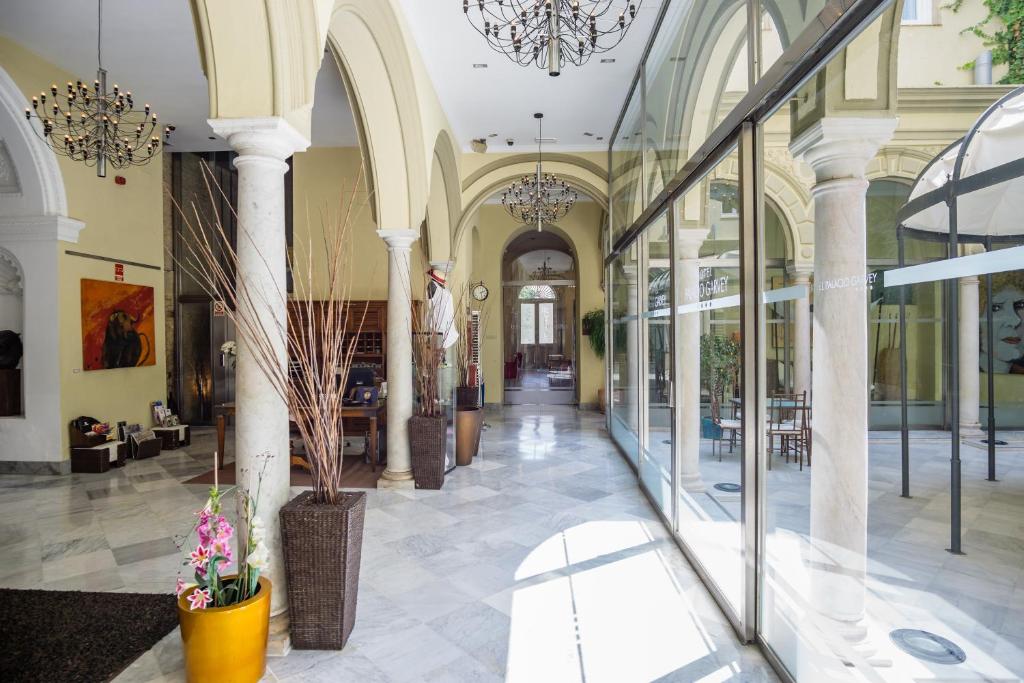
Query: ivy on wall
x,y
1007,42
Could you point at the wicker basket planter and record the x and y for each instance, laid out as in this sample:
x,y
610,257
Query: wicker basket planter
x,y
427,441
322,546
467,397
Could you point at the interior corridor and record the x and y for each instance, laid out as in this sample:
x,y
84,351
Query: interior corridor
x,y
542,561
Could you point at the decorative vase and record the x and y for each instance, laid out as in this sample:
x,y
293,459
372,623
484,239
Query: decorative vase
x,y
322,545
467,434
427,441
467,397
226,644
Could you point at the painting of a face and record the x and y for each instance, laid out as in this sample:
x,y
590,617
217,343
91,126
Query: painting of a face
x,y
117,325
1007,309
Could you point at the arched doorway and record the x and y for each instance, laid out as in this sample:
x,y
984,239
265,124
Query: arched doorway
x,y
539,278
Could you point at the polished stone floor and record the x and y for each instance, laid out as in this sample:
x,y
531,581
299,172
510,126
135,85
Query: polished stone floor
x,y
540,562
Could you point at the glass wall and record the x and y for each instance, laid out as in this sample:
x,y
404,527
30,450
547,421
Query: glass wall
x,y
627,162
707,260
845,355
657,418
625,369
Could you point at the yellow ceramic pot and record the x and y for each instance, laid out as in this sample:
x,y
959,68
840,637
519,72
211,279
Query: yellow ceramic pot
x,y
226,644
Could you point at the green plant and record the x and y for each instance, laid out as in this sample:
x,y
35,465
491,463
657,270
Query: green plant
x,y
719,363
1007,43
594,320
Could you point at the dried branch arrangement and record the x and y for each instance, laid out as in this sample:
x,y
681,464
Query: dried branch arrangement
x,y
315,339
464,346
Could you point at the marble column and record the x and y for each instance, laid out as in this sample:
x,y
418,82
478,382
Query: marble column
x,y
398,473
688,244
839,150
261,417
970,354
801,277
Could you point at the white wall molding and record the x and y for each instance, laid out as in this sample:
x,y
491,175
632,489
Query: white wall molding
x,y
39,229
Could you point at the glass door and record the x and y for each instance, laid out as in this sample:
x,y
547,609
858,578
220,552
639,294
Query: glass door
x,y
656,324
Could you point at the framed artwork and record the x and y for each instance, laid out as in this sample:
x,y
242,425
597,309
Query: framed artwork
x,y
117,325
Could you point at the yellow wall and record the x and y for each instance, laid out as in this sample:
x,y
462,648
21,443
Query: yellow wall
x,y
122,222
326,181
933,54
496,228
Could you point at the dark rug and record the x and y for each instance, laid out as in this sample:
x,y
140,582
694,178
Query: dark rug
x,y
76,637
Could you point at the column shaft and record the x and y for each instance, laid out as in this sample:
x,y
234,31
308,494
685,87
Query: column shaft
x,y
688,334
400,380
970,354
261,416
802,337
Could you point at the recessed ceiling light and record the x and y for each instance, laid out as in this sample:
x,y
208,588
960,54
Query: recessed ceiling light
x,y
608,60
589,135
600,137
492,135
479,66
211,137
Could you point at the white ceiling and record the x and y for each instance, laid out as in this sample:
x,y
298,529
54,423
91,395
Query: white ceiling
x,y
503,97
149,47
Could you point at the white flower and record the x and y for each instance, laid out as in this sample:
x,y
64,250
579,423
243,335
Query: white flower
x,y
229,347
259,558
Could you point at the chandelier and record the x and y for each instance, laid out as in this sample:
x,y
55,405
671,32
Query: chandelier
x,y
540,198
97,127
550,33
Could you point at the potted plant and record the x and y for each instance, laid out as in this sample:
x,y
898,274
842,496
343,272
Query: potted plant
x,y
719,363
322,529
225,617
428,426
593,329
468,411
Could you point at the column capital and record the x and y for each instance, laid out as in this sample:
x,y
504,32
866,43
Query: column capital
x,y
399,239
838,147
800,272
269,136
690,240
970,281
443,267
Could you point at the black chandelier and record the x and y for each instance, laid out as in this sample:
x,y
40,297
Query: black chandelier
x,y
540,198
97,127
550,33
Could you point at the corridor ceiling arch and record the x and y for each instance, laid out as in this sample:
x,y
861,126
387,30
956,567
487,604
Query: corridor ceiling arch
x,y
591,180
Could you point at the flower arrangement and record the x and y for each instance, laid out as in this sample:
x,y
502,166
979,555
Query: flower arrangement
x,y
213,556
229,350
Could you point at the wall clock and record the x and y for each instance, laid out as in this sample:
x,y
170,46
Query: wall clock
x,y
480,292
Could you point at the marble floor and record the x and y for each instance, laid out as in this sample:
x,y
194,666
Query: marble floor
x,y
541,562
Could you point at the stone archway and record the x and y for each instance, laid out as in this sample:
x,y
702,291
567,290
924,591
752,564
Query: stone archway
x,y
33,218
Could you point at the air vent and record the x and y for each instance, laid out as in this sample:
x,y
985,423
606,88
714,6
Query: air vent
x,y
479,66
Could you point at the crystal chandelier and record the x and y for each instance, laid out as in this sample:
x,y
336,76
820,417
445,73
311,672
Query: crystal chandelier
x,y
550,33
97,127
540,198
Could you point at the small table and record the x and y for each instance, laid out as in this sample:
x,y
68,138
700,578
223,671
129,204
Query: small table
x,y
374,413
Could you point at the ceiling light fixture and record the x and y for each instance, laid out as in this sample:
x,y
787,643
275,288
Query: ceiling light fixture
x,y
549,33
541,198
95,126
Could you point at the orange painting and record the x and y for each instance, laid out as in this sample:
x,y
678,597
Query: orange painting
x,y
117,325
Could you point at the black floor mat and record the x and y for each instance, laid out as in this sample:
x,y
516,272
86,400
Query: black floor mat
x,y
77,637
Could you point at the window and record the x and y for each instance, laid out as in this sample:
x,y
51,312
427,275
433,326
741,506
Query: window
x,y
546,318
527,324
917,12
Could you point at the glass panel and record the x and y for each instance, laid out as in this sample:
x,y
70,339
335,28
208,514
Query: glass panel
x,y
625,400
656,458
696,72
196,402
856,569
546,320
707,253
527,334
782,21
627,168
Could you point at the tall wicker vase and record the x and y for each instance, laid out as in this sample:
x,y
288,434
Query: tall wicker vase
x,y
322,546
427,442
467,397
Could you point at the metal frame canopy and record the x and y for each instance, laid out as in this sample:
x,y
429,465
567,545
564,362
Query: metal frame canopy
x,y
982,173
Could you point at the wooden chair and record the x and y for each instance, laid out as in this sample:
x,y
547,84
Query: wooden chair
x,y
787,421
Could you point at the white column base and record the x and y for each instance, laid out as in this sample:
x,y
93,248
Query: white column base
x,y
400,480
692,483
279,641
